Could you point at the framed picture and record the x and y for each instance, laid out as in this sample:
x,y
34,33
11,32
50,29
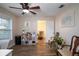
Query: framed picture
x,y
68,20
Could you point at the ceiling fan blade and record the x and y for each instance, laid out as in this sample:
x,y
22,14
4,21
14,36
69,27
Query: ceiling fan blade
x,y
32,12
36,7
15,7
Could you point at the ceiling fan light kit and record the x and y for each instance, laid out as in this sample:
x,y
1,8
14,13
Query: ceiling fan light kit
x,y
25,11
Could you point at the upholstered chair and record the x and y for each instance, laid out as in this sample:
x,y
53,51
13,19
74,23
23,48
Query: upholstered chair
x,y
74,48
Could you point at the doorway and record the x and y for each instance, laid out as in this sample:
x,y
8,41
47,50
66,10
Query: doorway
x,y
41,30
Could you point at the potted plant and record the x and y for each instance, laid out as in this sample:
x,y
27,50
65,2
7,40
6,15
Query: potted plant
x,y
59,41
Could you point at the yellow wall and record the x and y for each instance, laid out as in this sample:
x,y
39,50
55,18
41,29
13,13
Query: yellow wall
x,y
41,26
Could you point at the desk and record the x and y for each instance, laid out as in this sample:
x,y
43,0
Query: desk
x,y
6,52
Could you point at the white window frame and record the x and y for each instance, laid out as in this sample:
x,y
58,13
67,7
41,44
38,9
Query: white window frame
x,y
10,38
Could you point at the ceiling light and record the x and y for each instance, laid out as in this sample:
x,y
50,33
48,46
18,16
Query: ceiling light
x,y
25,11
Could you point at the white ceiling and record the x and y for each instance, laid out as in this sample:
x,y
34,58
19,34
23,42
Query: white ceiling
x,y
48,9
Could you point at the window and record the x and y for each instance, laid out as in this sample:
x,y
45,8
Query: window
x,y
5,28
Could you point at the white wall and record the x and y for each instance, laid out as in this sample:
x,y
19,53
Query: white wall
x,y
49,28
33,24
5,14
68,32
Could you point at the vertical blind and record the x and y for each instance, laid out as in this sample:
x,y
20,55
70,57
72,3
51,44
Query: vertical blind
x,y
5,28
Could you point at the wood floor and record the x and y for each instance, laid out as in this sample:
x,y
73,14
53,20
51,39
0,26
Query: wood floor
x,y
33,50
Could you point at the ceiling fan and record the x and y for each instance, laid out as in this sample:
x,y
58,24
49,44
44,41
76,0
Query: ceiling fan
x,y
26,8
